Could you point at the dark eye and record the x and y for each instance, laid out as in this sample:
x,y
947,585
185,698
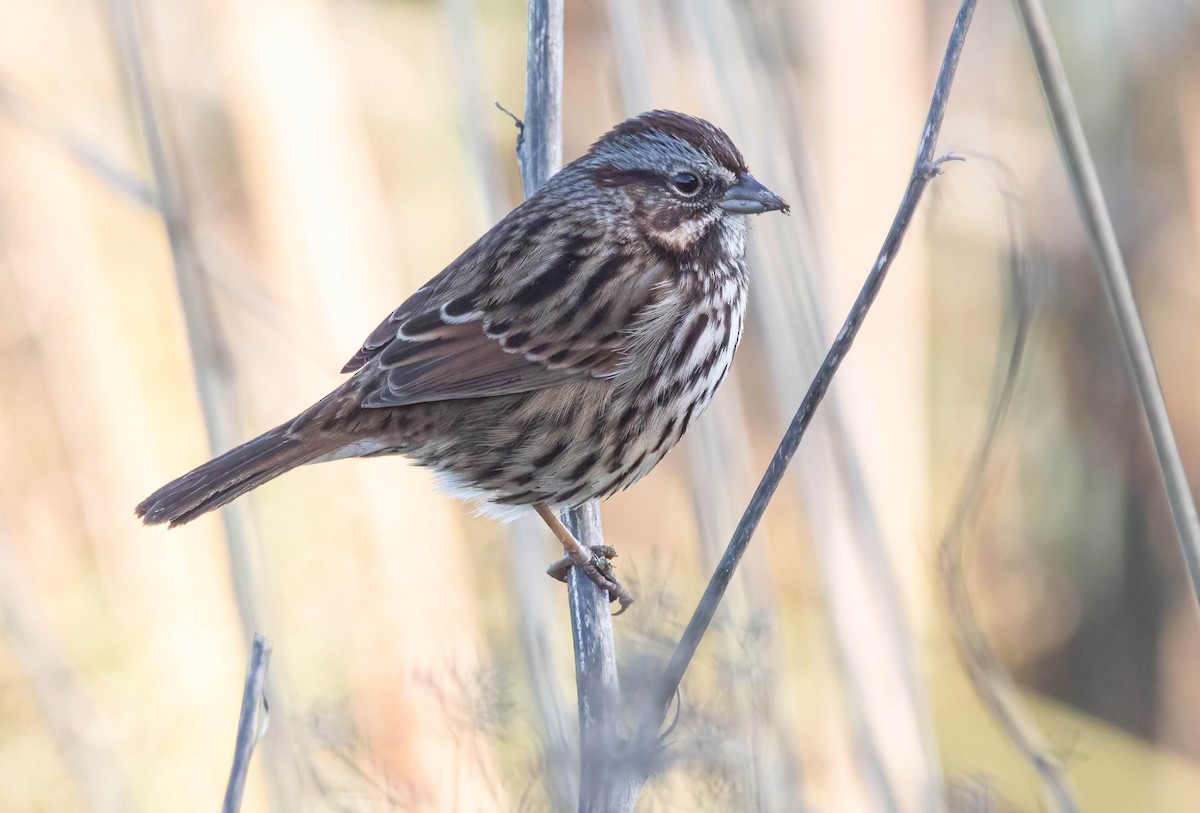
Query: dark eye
x,y
686,183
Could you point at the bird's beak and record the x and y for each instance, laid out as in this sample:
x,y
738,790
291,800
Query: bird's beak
x,y
749,197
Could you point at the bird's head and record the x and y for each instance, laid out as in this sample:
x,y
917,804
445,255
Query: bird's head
x,y
679,175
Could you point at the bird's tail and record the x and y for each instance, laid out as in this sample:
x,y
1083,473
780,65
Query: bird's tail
x,y
226,478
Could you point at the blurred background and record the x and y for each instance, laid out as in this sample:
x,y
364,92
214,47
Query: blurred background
x,y
314,161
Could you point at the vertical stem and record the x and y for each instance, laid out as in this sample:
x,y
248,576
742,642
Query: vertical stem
x,y
248,730
539,153
539,148
210,354
595,676
211,360
1090,198
536,595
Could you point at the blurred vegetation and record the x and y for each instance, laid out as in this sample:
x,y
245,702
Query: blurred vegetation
x,y
331,155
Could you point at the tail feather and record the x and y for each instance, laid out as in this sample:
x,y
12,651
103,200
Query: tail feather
x,y
225,478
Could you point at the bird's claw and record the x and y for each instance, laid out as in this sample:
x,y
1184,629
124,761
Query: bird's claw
x,y
596,564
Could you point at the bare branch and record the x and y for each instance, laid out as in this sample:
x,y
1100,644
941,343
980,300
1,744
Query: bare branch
x,y
604,786
924,169
1090,199
121,180
249,731
211,359
539,154
210,354
539,150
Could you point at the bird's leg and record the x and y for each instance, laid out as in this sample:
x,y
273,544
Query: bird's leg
x,y
595,562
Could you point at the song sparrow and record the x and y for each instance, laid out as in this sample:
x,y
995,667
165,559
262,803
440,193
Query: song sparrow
x,y
559,357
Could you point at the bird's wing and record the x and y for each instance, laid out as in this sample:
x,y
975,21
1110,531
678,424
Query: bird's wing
x,y
491,325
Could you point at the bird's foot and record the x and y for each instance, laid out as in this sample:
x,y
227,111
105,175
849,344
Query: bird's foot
x,y
596,563
601,559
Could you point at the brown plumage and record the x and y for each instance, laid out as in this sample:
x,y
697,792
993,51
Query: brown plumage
x,y
560,356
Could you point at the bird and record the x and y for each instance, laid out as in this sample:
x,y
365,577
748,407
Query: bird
x,y
558,358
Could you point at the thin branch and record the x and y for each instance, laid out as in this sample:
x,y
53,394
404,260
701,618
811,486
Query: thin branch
x,y
925,168
249,732
539,149
888,738
539,154
210,355
603,786
1090,198
211,360
123,181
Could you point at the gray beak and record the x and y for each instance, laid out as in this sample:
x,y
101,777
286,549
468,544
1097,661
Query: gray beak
x,y
749,197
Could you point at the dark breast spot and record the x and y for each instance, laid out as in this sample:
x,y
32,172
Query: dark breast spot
x,y
565,496
522,498
492,473
687,418
666,433
551,454
637,462
584,466
699,324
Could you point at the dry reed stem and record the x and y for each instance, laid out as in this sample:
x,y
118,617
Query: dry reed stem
x,y
248,730
539,155
1089,196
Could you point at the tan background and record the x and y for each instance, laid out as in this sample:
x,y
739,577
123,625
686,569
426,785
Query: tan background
x,y
328,157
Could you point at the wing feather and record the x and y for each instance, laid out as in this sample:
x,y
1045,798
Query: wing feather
x,y
532,305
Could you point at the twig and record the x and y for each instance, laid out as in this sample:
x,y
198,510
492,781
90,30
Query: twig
x,y
875,651
248,731
539,149
121,180
211,360
924,169
1090,198
536,595
603,786
210,355
539,155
